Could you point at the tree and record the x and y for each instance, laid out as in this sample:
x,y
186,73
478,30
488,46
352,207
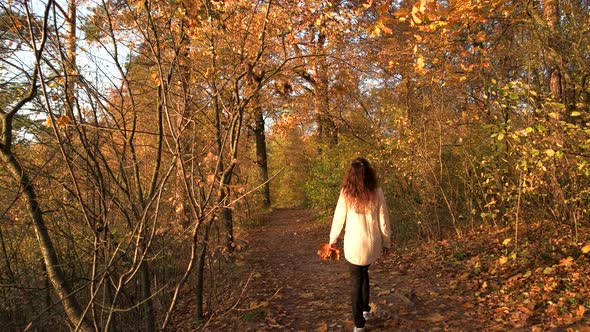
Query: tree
x,y
13,165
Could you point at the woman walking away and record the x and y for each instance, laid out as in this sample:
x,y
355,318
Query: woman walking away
x,y
367,235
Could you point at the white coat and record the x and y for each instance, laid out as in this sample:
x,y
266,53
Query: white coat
x,y
366,233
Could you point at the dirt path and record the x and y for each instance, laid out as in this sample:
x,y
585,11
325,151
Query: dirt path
x,y
290,289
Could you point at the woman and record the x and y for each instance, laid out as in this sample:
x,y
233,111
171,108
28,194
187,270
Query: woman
x,y
367,235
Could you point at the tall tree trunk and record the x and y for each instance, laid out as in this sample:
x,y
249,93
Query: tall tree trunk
x,y
146,294
225,215
70,62
261,154
71,41
201,272
56,276
47,284
556,80
325,125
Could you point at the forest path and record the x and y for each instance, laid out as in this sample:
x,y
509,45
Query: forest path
x,y
291,289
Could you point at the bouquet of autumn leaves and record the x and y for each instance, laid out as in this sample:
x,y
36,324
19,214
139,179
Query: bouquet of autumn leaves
x,y
328,253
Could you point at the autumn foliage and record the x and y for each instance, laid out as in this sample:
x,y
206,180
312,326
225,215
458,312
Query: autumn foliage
x,y
139,138
326,252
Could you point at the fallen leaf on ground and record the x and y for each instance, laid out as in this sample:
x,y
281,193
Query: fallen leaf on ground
x,y
323,327
435,318
256,304
307,295
581,310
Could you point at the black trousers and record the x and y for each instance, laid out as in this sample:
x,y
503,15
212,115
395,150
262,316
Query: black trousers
x,y
359,277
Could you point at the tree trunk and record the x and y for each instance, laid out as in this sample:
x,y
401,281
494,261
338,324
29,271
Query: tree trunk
x,y
146,294
71,31
201,273
55,274
227,217
71,46
326,128
556,80
261,154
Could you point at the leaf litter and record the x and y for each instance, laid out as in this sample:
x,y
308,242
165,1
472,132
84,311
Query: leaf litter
x,y
472,283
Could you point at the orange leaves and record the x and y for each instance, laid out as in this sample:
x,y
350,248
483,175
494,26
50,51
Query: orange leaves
x,y
569,261
61,122
580,311
155,79
327,253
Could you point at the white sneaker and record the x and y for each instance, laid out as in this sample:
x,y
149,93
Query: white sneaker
x,y
366,315
359,329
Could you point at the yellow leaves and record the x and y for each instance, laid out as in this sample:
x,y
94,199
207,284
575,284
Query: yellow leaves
x,y
418,13
380,28
61,122
503,260
419,67
180,12
327,253
550,152
139,4
56,82
179,208
156,79
586,248
506,241
416,16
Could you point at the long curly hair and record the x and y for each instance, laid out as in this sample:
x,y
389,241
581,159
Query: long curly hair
x,y
360,184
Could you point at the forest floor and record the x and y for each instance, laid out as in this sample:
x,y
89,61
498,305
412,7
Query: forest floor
x,y
465,285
